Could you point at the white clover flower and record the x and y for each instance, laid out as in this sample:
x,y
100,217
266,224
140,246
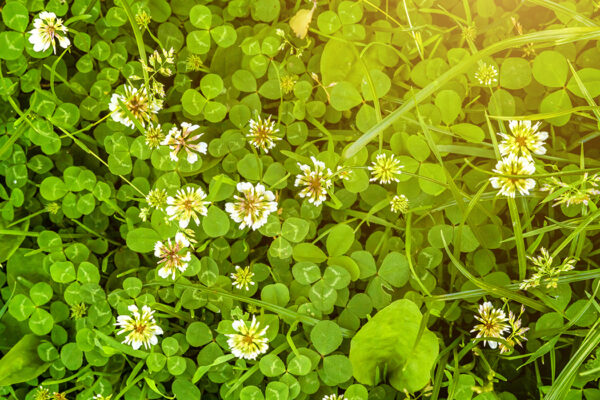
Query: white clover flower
x,y
137,102
46,28
334,397
315,182
487,74
250,342
385,169
173,256
262,133
141,328
144,212
253,208
513,165
156,198
524,141
182,139
187,204
493,323
100,397
242,278
399,203
154,136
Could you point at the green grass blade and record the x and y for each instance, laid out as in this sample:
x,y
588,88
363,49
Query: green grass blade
x,y
493,289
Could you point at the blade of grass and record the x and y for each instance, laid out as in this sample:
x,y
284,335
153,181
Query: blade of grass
x,y
559,8
519,240
493,289
560,389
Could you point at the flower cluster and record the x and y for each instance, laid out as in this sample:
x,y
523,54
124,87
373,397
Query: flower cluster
x,y
385,169
133,103
545,271
141,328
173,255
262,133
187,204
517,150
47,28
578,192
486,74
253,208
315,181
157,198
495,324
525,139
334,397
242,278
183,139
399,204
519,168
250,341
160,62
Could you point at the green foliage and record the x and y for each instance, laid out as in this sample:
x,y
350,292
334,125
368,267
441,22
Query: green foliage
x,y
406,358
362,286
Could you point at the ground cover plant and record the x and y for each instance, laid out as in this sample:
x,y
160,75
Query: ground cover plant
x,y
275,199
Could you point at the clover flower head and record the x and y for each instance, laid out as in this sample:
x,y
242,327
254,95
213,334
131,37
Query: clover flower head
x,y
194,63
250,341
492,323
53,208
343,173
513,165
183,139
154,136
334,397
524,140
486,74
144,213
47,28
42,393
187,204
385,169
173,256
242,278
143,19
287,83
78,310
399,204
141,328
262,133
253,208
157,198
137,102
315,180
101,397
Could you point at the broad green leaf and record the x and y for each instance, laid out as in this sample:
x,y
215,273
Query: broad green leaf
x,y
344,96
15,16
142,240
22,363
550,68
449,103
515,73
339,240
408,357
